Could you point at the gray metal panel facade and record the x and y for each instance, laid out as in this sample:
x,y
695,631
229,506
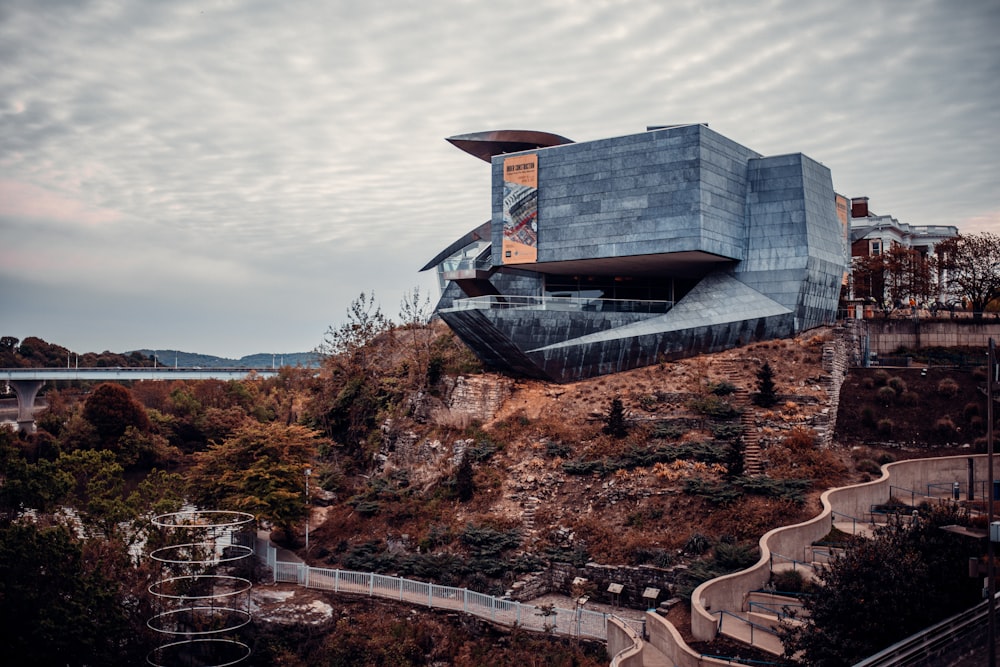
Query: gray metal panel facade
x,y
657,192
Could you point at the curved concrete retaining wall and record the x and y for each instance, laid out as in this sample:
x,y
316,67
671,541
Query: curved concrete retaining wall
x,y
624,645
728,593
665,638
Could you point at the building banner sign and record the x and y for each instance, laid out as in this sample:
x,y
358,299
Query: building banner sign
x,y
520,209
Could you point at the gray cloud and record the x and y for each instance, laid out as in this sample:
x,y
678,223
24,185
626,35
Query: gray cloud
x,y
223,156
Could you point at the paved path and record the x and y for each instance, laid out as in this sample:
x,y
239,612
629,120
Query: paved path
x,y
651,656
523,615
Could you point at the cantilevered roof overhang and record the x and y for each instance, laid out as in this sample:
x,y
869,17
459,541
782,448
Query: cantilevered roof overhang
x,y
484,145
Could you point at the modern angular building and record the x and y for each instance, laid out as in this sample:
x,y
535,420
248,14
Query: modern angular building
x,y
608,255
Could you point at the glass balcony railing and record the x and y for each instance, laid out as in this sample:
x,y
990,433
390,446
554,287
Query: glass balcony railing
x,y
453,264
559,303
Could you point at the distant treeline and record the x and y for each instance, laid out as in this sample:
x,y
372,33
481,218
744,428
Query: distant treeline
x,y
34,352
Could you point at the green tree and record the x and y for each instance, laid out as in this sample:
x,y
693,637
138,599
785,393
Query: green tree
x,y
766,395
881,590
465,487
971,266
365,322
353,390
414,315
57,608
34,352
260,469
8,352
614,422
40,486
111,410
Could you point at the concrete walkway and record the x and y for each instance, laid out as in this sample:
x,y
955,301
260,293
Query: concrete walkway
x,y
651,656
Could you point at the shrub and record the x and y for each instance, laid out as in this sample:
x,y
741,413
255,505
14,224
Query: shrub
x,y
868,466
868,383
716,494
714,407
971,410
555,448
648,402
885,457
945,428
881,376
886,395
787,581
721,388
696,544
947,388
897,383
668,431
909,398
727,431
868,415
581,467
733,557
885,426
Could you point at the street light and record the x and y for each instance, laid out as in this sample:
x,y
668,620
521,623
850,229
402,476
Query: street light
x,y
309,471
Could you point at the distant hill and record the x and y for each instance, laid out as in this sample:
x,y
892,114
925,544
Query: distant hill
x,y
262,360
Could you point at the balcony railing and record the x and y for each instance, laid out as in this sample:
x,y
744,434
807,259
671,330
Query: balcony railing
x,y
560,303
455,264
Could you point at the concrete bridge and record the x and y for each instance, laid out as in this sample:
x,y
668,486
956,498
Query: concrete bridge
x,y
26,382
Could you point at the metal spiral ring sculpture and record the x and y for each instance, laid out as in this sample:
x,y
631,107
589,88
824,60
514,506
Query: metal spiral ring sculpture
x,y
202,596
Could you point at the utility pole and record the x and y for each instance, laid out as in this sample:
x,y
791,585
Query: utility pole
x,y
991,368
308,473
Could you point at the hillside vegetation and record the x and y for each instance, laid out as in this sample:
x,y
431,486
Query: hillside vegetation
x,y
425,466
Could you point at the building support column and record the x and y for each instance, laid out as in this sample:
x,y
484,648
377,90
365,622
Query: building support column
x,y
26,391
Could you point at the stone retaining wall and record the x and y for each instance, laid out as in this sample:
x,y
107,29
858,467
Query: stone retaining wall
x,y
635,580
888,336
478,397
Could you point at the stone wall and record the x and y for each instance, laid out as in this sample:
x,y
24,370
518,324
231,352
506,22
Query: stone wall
x,y
478,396
835,360
887,336
558,578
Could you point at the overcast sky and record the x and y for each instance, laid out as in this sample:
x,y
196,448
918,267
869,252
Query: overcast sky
x,y
226,176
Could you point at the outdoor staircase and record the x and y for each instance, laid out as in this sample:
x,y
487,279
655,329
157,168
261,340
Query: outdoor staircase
x,y
753,462
528,509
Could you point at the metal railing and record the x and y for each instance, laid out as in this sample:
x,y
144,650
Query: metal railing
x,y
794,561
577,622
932,641
467,264
754,627
843,518
561,303
775,609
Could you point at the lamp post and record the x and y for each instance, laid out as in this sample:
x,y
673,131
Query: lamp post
x,y
308,473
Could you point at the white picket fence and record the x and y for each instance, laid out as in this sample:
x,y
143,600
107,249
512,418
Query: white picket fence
x,y
573,622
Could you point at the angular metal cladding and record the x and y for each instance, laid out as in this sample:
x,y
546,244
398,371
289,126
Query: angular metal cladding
x,y
484,145
648,247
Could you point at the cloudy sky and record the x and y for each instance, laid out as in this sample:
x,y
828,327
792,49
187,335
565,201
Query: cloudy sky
x,y
226,176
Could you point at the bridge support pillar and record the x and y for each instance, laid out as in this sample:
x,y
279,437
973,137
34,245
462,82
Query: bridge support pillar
x,y
26,391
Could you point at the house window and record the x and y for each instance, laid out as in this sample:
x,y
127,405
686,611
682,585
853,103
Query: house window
x,y
875,247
